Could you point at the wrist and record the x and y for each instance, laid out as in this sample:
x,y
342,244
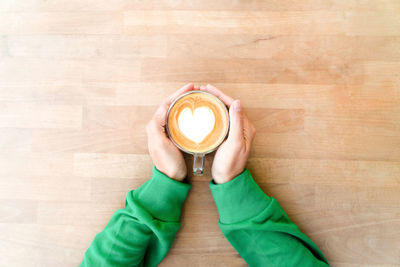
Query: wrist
x,y
179,176
221,178
175,174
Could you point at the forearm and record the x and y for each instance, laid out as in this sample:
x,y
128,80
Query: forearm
x,y
153,210
259,229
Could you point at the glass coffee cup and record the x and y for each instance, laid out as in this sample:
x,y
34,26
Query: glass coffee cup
x,y
197,123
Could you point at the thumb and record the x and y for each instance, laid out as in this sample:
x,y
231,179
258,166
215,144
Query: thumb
x,y
236,121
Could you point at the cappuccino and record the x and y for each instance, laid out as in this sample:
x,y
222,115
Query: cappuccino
x,y
197,122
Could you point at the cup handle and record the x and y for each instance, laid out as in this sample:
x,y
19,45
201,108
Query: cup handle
x,y
198,164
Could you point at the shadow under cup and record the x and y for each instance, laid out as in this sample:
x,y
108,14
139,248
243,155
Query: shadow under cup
x,y
194,100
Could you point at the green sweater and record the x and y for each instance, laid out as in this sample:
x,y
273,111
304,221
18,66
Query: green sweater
x,y
255,224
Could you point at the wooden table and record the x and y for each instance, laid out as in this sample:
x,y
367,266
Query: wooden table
x,y
80,79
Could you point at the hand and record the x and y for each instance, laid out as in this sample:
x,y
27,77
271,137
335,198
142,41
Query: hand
x,y
231,157
167,158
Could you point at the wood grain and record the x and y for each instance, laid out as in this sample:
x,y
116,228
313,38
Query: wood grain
x,y
112,165
15,140
14,70
250,71
65,92
87,46
22,115
375,23
79,80
60,23
18,211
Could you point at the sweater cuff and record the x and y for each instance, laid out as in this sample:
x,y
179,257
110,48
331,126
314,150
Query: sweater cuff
x,y
239,199
162,196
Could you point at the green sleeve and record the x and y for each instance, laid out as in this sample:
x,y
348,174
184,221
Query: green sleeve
x,y
259,229
141,233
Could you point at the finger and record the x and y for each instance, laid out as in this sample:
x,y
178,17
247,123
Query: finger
x,y
160,116
161,113
212,89
153,130
188,87
236,122
249,132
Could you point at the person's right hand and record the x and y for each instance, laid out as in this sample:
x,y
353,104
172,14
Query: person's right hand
x,y
231,157
165,155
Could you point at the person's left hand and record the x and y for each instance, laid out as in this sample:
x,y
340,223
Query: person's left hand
x,y
167,158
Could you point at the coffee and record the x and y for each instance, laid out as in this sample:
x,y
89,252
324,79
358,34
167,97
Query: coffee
x,y
198,122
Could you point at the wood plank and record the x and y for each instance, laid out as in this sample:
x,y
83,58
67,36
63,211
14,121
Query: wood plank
x,y
44,244
302,48
342,264
285,5
3,46
35,164
384,73
115,141
20,115
270,170
144,93
114,190
369,244
373,23
61,23
208,243
102,165
47,188
203,260
312,97
324,172
15,71
63,5
346,173
318,220
18,211
277,120
75,213
381,119
292,197
340,197
58,92
327,146
42,176
200,213
118,117
35,255
15,140
286,71
326,48
87,46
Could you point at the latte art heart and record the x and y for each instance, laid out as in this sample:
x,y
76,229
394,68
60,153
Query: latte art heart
x,y
197,122
196,125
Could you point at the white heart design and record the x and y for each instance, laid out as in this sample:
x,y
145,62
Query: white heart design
x,y
197,125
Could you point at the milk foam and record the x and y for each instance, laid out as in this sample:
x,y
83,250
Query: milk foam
x,y
197,125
